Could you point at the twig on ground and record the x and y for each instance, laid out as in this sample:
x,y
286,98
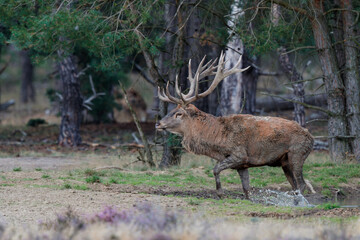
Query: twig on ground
x,y
108,167
141,133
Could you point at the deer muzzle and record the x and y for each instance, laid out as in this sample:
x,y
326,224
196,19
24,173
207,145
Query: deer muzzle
x,y
159,126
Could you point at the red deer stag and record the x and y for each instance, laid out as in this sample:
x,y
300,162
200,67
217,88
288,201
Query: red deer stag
x,y
238,141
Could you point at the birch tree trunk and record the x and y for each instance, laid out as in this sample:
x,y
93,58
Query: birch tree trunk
x,y
238,90
352,77
334,85
71,102
232,87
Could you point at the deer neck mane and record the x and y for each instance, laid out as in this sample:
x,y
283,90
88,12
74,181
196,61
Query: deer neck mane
x,y
205,132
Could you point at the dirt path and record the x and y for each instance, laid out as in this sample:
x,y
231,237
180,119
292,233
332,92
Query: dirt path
x,y
27,205
31,163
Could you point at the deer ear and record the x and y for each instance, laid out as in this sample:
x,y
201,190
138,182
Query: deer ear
x,y
192,111
190,107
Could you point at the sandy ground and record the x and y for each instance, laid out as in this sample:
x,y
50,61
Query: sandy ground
x,y
26,202
25,205
46,163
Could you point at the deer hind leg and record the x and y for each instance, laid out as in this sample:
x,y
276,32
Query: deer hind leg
x,y
227,163
245,181
296,162
288,171
290,176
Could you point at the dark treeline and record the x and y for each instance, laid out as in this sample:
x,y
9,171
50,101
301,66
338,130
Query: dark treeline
x,y
104,40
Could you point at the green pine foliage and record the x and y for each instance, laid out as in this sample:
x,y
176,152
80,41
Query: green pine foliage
x,y
99,34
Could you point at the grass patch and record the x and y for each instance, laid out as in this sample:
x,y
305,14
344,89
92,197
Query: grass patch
x,y
328,206
7,184
18,169
321,173
80,187
93,179
194,202
92,172
38,169
45,176
67,186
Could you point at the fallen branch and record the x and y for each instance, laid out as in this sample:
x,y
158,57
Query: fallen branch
x,y
137,160
4,106
108,167
301,103
268,104
320,145
4,67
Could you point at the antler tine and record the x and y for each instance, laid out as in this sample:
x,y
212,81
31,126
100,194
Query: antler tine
x,y
162,96
235,69
178,91
219,76
201,72
166,96
192,82
208,69
173,99
192,79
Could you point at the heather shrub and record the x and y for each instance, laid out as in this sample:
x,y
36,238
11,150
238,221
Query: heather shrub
x,y
146,221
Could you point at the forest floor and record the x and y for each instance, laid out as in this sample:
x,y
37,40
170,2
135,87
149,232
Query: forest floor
x,y
39,179
34,188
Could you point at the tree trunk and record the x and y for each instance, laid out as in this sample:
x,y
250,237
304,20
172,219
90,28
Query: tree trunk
x,y
27,76
196,43
71,102
291,72
338,144
172,145
352,77
250,79
298,88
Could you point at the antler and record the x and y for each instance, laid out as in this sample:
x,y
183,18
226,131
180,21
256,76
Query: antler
x,y
202,71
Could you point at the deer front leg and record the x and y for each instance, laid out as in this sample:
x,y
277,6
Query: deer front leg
x,y
228,162
245,181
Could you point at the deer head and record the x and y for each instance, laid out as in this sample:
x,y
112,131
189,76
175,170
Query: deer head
x,y
176,120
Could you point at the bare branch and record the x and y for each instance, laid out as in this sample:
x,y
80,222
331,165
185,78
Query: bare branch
x,y
141,133
82,72
292,7
88,101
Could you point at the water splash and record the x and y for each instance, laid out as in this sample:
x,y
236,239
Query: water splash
x,y
284,199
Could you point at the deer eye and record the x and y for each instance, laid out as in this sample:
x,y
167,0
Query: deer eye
x,y
178,115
